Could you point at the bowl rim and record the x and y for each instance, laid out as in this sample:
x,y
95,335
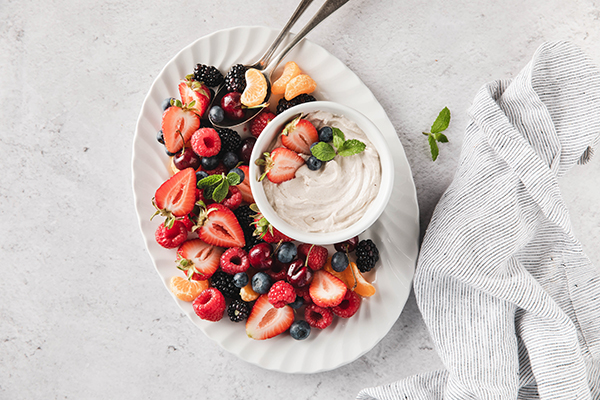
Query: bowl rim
x,y
375,209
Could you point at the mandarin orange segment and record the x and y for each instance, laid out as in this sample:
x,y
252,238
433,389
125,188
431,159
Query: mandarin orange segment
x,y
300,84
256,88
187,290
291,70
362,287
248,294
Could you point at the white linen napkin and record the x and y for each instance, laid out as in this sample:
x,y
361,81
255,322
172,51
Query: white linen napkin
x,y
510,299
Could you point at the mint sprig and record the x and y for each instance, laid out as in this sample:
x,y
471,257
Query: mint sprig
x,y
216,186
326,152
439,125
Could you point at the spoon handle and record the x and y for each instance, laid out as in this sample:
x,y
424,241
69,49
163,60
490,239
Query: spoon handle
x,y
266,58
325,11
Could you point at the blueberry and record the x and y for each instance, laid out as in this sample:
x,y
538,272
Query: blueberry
x,y
339,261
210,163
240,173
230,159
286,252
261,283
300,330
297,303
160,137
169,153
240,279
200,175
167,103
216,114
326,134
313,163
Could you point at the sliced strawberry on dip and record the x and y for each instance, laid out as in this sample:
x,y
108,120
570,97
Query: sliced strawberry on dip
x,y
199,260
178,126
298,135
218,226
176,197
266,321
326,290
280,165
196,95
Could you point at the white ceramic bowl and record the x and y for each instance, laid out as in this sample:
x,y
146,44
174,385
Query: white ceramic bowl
x,y
270,133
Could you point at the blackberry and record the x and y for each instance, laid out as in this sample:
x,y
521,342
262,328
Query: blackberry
x,y
238,310
285,104
223,282
230,140
245,217
208,74
235,80
366,255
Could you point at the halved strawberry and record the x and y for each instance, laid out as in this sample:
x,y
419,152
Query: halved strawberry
x,y
217,225
195,94
264,229
176,197
326,290
266,321
298,135
281,165
244,186
199,260
178,125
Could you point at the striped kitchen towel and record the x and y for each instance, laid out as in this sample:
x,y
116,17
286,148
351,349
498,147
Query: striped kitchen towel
x,y
509,297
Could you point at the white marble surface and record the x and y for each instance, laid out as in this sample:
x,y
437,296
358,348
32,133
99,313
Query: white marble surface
x,y
82,311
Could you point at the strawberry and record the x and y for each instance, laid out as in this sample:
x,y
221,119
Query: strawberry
x,y
281,165
326,290
198,259
260,122
298,135
244,186
176,196
194,94
315,256
266,321
265,230
217,225
178,126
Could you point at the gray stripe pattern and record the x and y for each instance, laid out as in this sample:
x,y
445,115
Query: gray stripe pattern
x,y
510,299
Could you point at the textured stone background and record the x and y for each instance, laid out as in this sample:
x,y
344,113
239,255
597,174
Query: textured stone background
x,y
82,313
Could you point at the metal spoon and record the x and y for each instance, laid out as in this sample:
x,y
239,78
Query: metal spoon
x,y
267,67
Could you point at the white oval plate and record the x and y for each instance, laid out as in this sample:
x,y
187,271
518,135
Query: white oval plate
x,y
396,232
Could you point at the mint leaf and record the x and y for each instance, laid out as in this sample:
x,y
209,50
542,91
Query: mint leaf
x,y
442,121
221,191
433,146
440,137
233,178
323,151
351,147
338,138
210,180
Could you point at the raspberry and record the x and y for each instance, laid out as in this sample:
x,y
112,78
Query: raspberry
x,y
318,317
233,199
238,310
304,293
170,238
234,260
366,255
349,305
210,305
260,122
206,142
314,255
281,293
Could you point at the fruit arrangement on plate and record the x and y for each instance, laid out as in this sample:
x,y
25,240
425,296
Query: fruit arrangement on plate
x,y
232,260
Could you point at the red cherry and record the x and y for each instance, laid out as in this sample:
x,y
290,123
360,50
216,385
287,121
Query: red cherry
x,y
298,274
260,256
232,106
186,158
348,245
278,270
246,148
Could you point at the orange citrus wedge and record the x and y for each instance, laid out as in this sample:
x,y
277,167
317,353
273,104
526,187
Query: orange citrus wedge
x,y
290,71
353,279
256,88
187,290
298,85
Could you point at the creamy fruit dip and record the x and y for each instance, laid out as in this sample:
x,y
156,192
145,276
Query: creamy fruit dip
x,y
337,195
